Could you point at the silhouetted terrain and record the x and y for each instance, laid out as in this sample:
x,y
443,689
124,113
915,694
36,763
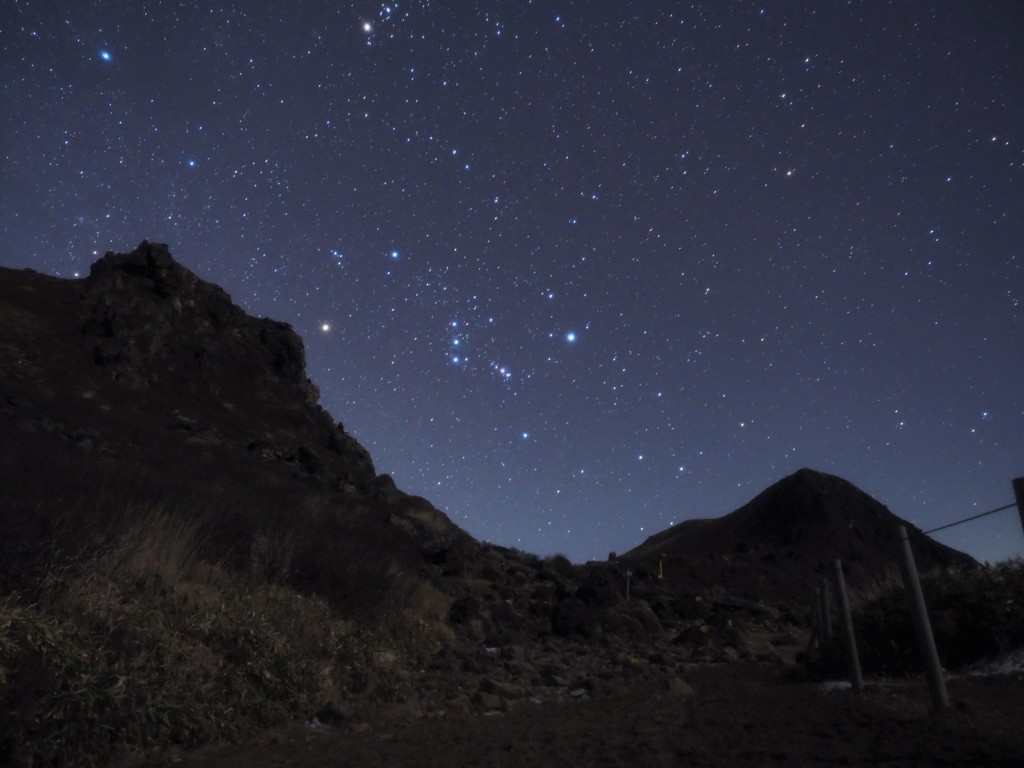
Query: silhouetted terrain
x,y
192,549
142,382
779,545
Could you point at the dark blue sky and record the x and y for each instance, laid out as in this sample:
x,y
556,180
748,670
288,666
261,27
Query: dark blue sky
x,y
574,271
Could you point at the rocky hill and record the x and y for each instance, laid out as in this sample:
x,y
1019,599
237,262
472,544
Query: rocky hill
x,y
781,543
143,383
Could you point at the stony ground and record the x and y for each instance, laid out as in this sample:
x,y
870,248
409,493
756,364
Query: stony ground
x,y
737,714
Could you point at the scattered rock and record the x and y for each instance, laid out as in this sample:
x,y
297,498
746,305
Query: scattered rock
x,y
334,714
490,701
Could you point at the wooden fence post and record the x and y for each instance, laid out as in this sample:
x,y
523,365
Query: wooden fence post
x,y
922,627
852,659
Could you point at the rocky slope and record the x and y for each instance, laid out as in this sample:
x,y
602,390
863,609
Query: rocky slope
x,y
144,384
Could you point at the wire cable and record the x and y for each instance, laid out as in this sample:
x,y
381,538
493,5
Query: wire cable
x,y
968,519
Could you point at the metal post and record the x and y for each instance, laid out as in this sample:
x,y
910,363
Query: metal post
x,y
922,627
826,611
1018,492
852,659
629,572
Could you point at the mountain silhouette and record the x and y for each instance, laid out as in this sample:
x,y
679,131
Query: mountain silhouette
x,y
142,384
781,543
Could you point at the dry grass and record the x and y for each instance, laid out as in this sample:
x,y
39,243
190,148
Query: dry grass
x,y
142,644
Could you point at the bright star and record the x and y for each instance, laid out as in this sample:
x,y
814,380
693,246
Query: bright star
x,y
367,27
570,337
105,55
325,327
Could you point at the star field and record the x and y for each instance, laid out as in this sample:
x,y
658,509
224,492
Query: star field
x,y
574,271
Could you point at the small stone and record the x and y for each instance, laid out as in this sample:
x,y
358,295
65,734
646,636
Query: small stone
x,y
678,687
490,701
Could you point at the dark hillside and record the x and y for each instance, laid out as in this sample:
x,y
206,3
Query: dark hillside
x,y
781,543
142,381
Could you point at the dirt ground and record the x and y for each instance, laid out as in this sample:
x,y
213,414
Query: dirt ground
x,y
738,715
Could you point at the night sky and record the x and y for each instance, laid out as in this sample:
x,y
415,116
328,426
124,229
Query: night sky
x,y
574,271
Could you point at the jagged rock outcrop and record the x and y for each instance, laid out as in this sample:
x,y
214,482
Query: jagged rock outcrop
x,y
152,321
143,381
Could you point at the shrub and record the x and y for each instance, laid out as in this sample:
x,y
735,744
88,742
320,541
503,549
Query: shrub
x,y
975,614
142,645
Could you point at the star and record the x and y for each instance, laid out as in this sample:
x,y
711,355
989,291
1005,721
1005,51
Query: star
x,y
650,255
